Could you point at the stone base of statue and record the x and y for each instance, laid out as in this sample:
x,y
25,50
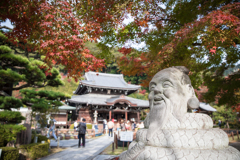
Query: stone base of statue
x,y
189,140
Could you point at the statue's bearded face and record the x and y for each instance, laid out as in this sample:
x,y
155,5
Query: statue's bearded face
x,y
166,86
168,97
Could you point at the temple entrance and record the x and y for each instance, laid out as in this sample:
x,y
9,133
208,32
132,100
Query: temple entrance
x,y
117,116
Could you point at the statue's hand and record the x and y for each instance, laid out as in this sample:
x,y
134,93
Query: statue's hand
x,y
133,152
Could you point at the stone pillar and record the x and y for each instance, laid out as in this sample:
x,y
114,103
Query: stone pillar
x,y
126,116
110,115
95,116
138,117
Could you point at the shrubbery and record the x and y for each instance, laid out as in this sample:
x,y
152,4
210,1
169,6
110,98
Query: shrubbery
x,y
72,126
8,132
9,153
34,150
89,126
40,139
1,140
234,125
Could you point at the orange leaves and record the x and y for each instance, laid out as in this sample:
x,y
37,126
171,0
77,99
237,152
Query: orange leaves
x,y
61,47
54,62
125,51
213,50
67,47
143,23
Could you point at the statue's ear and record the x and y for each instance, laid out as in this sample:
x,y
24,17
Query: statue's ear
x,y
193,102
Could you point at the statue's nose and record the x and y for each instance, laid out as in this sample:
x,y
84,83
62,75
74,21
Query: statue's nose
x,y
158,89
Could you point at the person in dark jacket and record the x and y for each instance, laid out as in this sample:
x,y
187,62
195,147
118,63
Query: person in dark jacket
x,y
81,132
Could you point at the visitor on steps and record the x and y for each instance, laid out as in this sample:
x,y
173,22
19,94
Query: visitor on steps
x,y
110,127
81,132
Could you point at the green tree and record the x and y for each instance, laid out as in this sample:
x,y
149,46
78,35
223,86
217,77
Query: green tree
x,y
31,73
42,102
224,114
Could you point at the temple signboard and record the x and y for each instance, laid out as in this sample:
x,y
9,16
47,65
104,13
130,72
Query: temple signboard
x,y
126,136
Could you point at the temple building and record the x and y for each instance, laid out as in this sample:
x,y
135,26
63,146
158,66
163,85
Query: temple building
x,y
104,96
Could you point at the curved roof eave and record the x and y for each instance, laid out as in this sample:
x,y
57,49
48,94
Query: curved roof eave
x,y
107,100
110,87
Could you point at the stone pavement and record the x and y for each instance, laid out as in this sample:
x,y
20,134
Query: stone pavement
x,y
91,150
66,143
105,157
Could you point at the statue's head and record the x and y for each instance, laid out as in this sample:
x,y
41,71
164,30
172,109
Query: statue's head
x,y
171,93
172,85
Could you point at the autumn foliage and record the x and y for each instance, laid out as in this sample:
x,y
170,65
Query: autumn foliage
x,y
202,37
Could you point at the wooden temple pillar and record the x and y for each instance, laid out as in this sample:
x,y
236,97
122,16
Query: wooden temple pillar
x,y
138,117
110,115
126,116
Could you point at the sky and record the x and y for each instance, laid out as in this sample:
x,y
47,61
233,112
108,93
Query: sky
x,y
7,23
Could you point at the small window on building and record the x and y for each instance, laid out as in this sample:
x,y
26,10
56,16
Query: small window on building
x,y
109,91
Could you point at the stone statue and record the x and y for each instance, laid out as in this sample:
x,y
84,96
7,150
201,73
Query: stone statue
x,y
170,132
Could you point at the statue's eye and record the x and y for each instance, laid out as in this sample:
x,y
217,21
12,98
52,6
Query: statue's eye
x,y
152,87
167,84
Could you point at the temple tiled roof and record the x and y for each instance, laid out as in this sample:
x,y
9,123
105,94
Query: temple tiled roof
x,y
102,99
206,107
105,80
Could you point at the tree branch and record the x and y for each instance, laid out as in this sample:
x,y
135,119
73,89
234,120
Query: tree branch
x,y
167,19
17,67
23,86
15,50
196,44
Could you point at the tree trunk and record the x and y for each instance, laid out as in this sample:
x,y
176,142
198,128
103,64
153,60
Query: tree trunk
x,y
227,125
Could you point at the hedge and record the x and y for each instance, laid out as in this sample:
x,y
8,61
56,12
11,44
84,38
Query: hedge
x,y
72,126
89,126
40,139
9,153
34,150
1,140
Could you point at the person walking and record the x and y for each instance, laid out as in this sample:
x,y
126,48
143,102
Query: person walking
x,y
96,128
133,126
52,128
104,125
127,126
106,128
118,126
110,127
123,128
75,125
219,123
81,132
